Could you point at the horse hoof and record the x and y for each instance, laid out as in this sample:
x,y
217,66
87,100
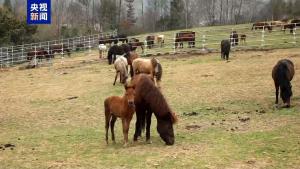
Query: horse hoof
x,y
276,106
125,145
149,142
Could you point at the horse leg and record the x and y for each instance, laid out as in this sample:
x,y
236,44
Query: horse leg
x,y
116,77
125,123
139,122
121,77
277,92
107,120
148,125
112,126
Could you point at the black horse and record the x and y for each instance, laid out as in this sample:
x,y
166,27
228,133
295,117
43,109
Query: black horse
x,y
122,38
117,50
282,73
225,49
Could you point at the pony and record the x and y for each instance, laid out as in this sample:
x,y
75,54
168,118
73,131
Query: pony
x,y
38,53
122,37
243,38
149,99
150,41
122,107
148,66
59,48
277,24
234,38
117,50
225,49
102,48
289,26
108,40
134,43
160,40
282,74
131,56
121,67
262,25
185,36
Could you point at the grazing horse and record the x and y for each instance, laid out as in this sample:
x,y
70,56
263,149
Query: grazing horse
x,y
117,50
150,41
149,99
59,48
102,48
225,49
185,36
134,43
39,53
148,66
282,73
121,67
160,40
234,38
243,38
277,23
262,25
122,107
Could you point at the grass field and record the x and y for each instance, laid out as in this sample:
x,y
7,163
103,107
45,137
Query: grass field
x,y
54,115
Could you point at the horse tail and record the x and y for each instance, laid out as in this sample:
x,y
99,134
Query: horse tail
x,y
154,62
158,72
281,77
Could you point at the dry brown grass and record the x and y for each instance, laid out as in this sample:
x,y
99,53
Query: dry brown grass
x,y
36,112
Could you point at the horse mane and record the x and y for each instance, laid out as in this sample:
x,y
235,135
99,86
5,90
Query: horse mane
x,y
282,77
147,92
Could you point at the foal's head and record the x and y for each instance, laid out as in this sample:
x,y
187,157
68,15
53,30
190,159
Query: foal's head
x,y
129,94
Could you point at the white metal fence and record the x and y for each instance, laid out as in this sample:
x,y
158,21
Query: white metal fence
x,y
13,55
207,39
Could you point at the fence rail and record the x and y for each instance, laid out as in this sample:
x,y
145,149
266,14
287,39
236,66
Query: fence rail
x,y
10,56
206,38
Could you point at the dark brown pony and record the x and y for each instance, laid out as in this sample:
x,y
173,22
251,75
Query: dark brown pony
x,y
134,43
39,53
150,41
117,50
243,38
60,48
282,73
108,40
149,99
185,36
234,38
122,107
262,25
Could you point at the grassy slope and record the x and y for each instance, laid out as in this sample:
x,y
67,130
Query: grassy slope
x,y
50,131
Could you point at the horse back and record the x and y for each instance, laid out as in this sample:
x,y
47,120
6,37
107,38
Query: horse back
x,y
284,69
114,105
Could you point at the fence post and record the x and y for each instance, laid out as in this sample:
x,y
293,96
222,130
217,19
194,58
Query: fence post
x,y
263,37
7,58
22,52
294,33
89,43
145,50
203,42
12,55
174,43
35,61
1,55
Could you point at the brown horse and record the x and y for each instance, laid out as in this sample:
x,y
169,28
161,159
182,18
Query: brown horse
x,y
185,36
122,107
60,48
243,38
148,66
150,41
134,43
121,67
149,99
38,53
234,38
282,73
262,25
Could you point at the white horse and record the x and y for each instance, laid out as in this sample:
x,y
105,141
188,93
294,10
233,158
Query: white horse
x,y
121,66
102,50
